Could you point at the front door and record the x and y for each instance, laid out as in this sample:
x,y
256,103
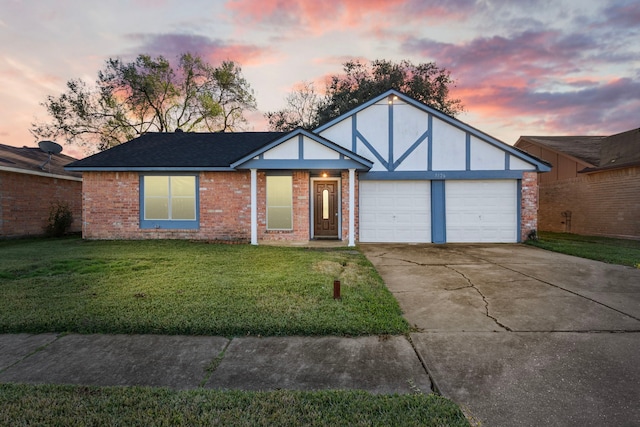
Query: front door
x,y
325,209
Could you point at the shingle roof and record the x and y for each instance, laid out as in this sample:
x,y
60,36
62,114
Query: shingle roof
x,y
31,159
179,150
602,152
621,149
585,148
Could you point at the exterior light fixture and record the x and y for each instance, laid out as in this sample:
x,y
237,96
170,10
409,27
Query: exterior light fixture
x,y
324,174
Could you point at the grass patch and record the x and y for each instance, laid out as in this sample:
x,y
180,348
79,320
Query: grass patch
x,y
135,406
191,288
606,249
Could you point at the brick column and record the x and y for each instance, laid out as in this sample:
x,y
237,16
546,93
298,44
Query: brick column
x,y
529,205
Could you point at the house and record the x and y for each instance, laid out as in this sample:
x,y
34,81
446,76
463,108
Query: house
x,y
390,170
30,184
594,185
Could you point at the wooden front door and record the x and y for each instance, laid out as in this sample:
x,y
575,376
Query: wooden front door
x,y
325,209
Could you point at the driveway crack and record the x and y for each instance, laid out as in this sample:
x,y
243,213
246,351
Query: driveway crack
x,y
484,298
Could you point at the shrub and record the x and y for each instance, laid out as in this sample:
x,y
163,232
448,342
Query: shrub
x,y
60,219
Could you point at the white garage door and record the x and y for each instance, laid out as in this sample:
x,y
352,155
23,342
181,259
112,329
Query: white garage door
x,y
395,211
481,211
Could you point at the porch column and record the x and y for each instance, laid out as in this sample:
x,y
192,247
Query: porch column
x,y
254,206
352,204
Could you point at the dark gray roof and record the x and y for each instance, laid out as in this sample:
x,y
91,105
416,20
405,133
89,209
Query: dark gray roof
x,y
621,149
612,151
585,148
31,159
179,150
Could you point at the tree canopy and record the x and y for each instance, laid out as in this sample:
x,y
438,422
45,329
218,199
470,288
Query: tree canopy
x,y
148,95
301,110
360,81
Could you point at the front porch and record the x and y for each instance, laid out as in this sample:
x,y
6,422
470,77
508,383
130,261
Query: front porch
x,y
311,244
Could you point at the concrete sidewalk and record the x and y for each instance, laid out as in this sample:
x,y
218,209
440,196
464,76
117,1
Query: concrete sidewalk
x,y
376,364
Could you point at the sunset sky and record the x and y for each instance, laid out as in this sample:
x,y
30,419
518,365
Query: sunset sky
x,y
526,67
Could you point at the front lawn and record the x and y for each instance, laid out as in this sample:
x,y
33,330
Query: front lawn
x,y
192,288
606,249
135,406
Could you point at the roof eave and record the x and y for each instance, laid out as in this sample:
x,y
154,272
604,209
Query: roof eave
x,y
38,173
609,167
149,169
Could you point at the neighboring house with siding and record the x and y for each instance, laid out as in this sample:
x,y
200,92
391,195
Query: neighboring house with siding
x,y
390,170
593,187
29,185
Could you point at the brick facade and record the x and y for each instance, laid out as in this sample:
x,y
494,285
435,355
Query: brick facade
x,y
605,203
26,200
111,208
529,204
111,202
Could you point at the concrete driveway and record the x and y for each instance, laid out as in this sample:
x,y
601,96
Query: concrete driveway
x,y
520,336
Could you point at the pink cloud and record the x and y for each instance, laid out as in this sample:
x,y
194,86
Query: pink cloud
x,y
605,108
527,55
623,14
323,15
541,78
215,51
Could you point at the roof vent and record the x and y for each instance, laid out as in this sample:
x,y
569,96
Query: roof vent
x,y
178,130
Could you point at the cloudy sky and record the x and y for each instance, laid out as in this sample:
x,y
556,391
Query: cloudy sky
x,y
526,67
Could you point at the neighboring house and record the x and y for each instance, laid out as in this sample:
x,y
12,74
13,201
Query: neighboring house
x,y
30,185
594,184
390,170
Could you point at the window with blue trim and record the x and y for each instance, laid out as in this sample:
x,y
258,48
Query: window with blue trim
x,y
169,201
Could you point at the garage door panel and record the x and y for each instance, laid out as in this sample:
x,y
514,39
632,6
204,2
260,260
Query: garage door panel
x,y
481,211
395,211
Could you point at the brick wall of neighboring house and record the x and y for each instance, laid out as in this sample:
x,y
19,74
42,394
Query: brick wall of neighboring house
x,y
26,200
605,203
529,204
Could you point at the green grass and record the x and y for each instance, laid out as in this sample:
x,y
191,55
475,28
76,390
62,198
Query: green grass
x,y
613,251
134,406
193,288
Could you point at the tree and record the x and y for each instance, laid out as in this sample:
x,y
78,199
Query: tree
x,y
301,109
425,82
148,95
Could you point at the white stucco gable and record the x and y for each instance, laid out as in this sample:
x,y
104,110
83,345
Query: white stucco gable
x,y
301,149
407,139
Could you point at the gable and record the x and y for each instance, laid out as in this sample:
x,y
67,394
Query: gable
x,y
407,138
303,150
